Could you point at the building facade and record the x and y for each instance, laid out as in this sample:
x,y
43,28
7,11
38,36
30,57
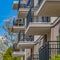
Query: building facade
x,y
38,29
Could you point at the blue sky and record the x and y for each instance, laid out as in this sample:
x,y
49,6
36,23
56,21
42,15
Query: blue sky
x,y
6,12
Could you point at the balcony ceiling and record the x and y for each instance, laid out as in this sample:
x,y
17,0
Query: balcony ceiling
x,y
49,8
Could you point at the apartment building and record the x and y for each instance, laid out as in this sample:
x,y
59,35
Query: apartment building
x,y
38,29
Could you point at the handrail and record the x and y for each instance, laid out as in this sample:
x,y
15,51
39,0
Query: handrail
x,y
51,43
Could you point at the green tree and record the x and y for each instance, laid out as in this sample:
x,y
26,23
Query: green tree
x,y
56,57
8,55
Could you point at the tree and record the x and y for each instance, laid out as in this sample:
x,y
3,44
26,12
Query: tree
x,y
8,55
8,34
56,57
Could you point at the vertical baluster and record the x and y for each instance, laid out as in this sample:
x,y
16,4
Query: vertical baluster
x,y
19,5
14,21
19,37
32,4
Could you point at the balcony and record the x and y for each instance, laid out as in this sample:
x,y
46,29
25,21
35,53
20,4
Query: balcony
x,y
18,25
37,26
50,50
17,51
48,8
24,9
16,3
28,42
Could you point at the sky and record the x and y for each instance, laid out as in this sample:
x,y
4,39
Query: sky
x,y
6,12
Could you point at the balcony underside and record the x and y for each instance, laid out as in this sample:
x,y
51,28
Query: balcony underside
x,y
16,29
26,44
38,29
23,12
15,5
49,8
15,54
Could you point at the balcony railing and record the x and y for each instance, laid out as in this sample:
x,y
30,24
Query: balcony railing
x,y
49,49
29,16
36,19
40,2
17,49
28,38
27,5
25,37
18,22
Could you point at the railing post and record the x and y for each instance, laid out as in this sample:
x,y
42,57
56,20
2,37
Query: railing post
x,y
32,4
19,5
14,21
19,37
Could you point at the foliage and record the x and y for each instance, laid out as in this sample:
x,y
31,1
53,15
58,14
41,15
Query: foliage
x,y
56,57
8,55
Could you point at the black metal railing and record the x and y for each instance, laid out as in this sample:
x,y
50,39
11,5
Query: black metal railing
x,y
36,19
40,2
49,49
18,22
18,36
27,5
28,38
19,4
25,37
29,17
15,48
